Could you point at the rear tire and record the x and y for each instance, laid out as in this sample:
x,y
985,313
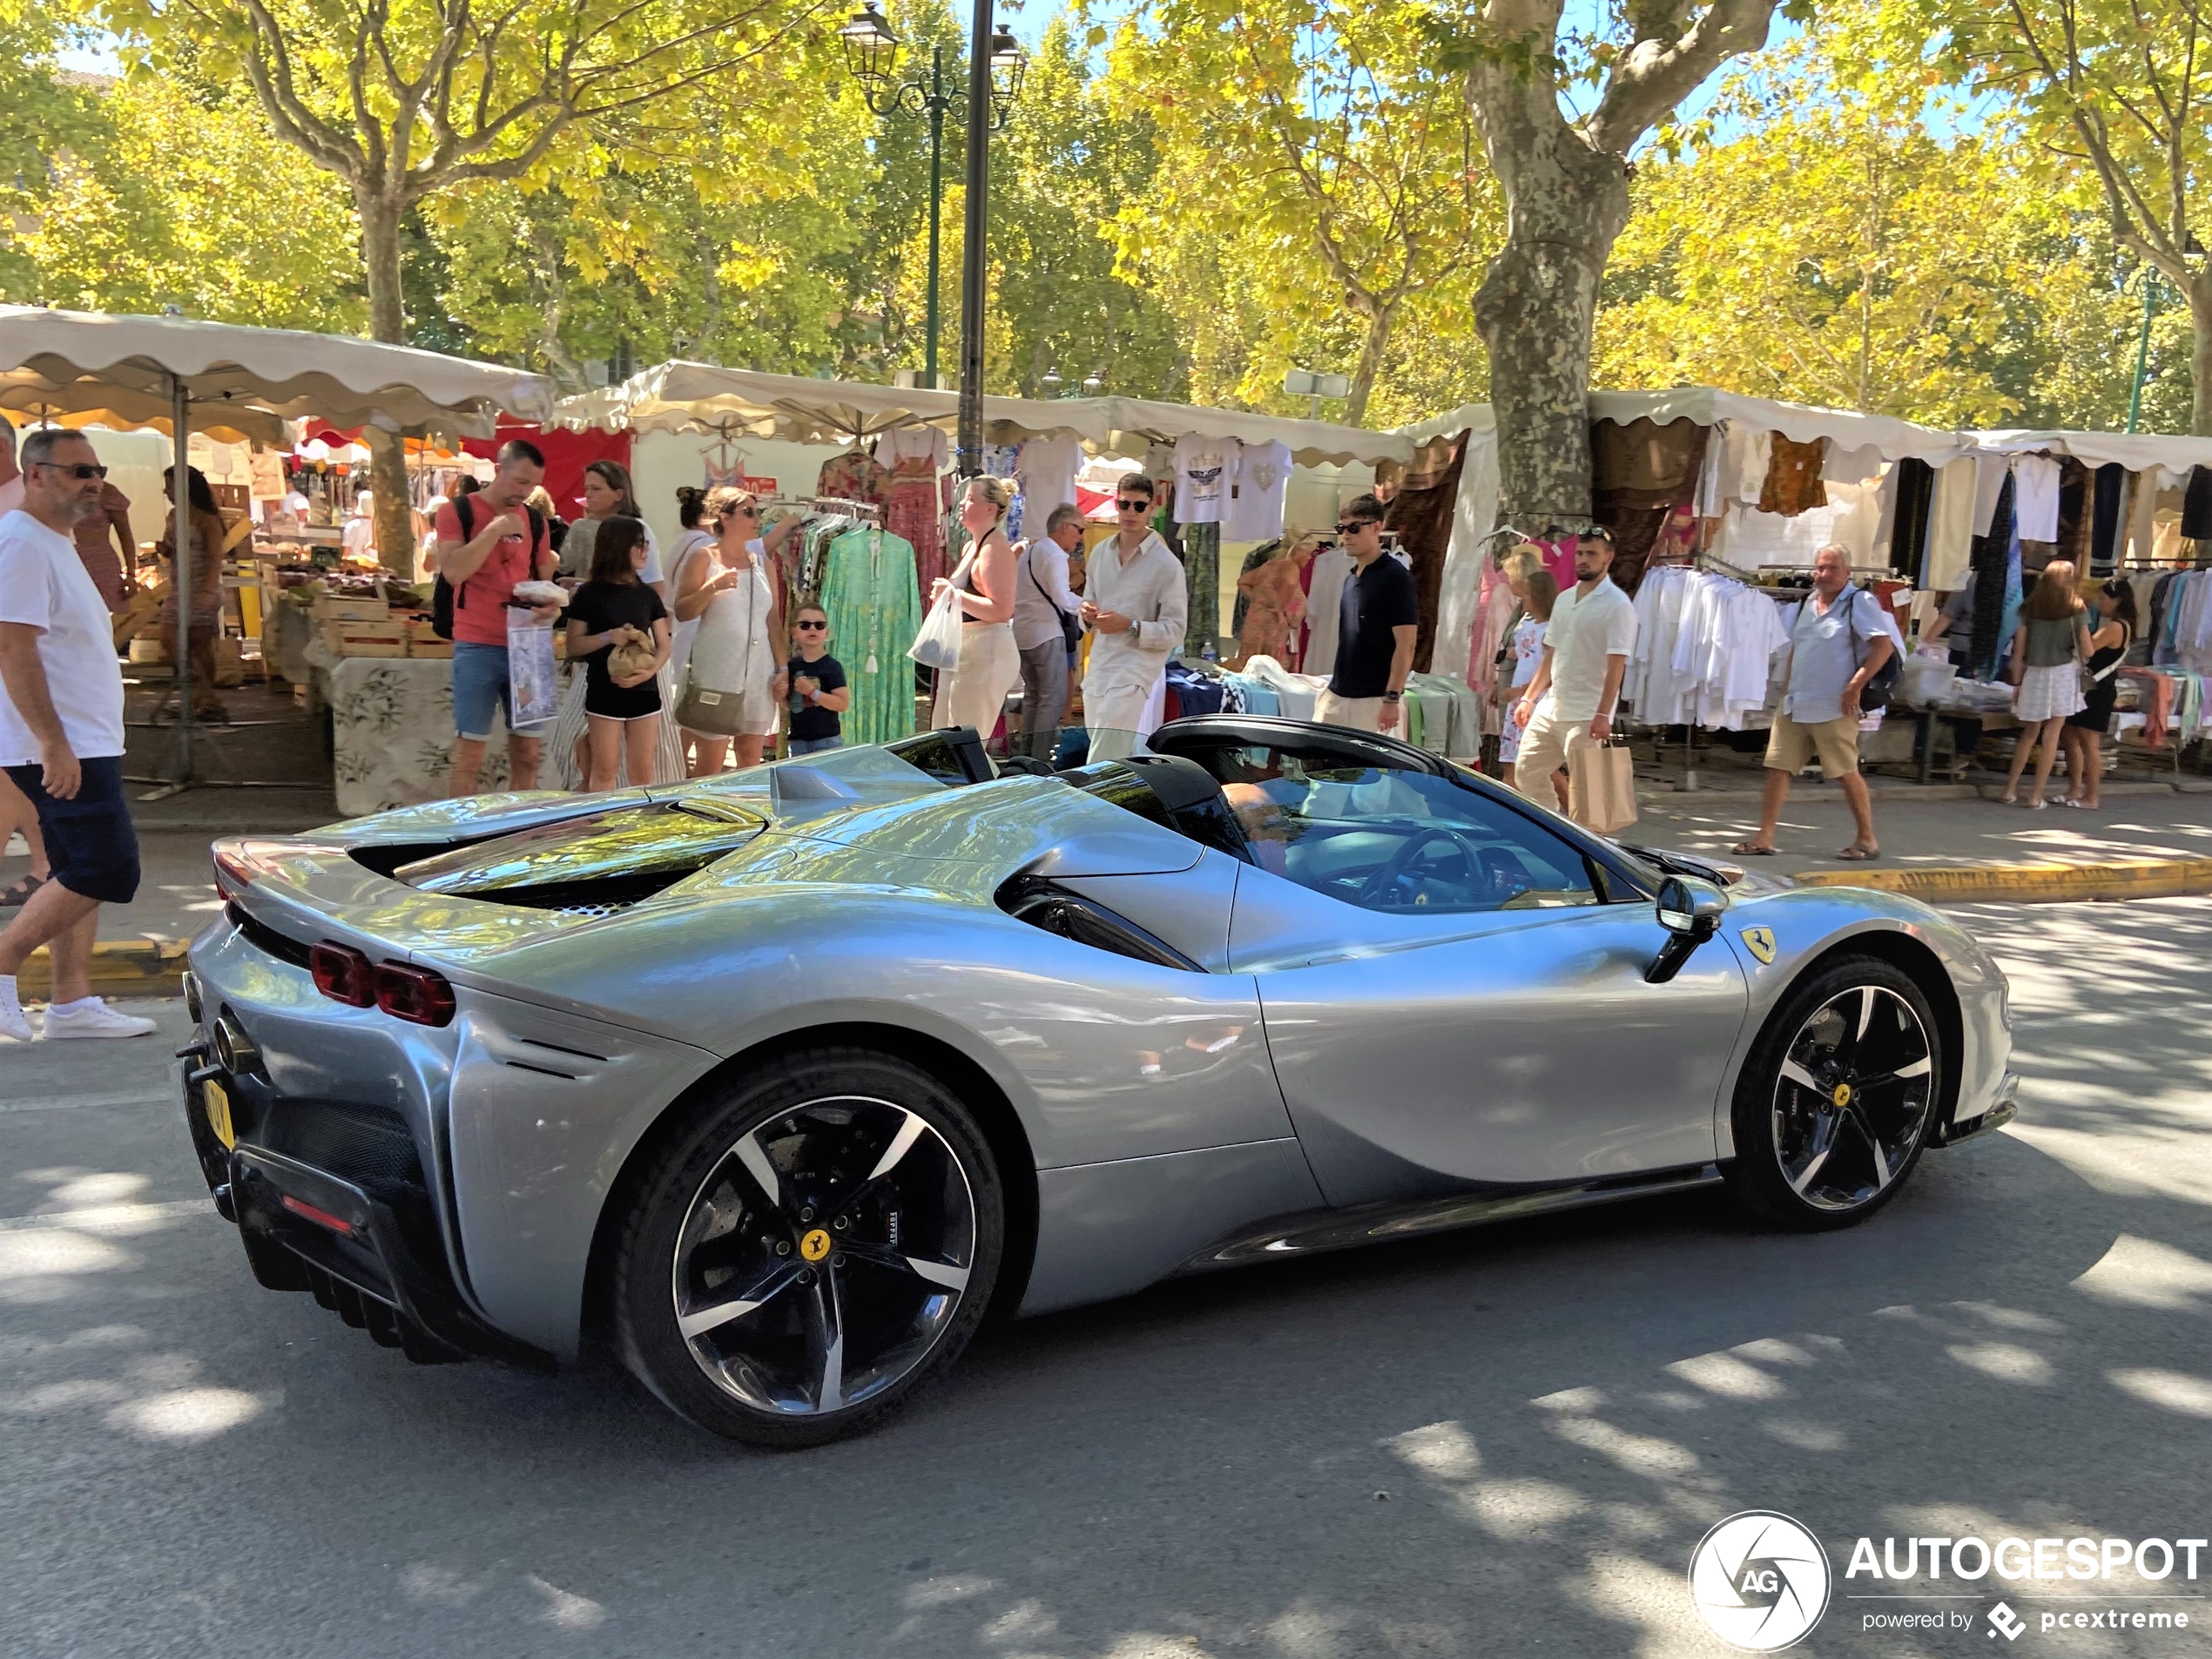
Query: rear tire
x,y
1838,1097
810,1249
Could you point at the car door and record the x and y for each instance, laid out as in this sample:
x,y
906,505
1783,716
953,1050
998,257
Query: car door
x,y
1478,1015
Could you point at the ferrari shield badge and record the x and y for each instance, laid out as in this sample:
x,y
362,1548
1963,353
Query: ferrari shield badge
x,y
1760,942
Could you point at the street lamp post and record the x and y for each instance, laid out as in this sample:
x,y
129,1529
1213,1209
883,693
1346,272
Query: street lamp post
x,y
997,62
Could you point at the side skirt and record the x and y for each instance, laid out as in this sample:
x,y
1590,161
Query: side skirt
x,y
1314,1231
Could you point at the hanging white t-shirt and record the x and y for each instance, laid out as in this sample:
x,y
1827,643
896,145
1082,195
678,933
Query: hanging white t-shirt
x,y
1735,468
1204,470
1048,469
44,585
1263,478
2036,497
914,445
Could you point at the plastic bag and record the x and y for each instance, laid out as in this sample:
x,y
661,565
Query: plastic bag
x,y
938,643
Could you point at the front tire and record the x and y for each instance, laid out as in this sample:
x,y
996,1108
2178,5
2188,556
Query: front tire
x,y
1837,1100
818,1242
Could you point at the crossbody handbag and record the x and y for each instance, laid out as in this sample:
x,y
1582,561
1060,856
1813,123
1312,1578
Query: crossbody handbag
x,y
1071,630
1882,685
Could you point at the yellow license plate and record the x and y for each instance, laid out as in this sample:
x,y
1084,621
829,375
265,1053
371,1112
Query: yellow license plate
x,y
219,1112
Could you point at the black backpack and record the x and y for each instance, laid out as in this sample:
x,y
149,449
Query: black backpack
x,y
442,595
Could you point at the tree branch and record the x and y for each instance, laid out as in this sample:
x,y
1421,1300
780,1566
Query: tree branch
x,y
1663,67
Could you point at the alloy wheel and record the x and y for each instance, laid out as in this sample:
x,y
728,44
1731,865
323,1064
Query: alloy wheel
x,y
1851,1101
823,1255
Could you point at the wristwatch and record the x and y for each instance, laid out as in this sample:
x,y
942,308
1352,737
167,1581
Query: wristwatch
x,y
1393,697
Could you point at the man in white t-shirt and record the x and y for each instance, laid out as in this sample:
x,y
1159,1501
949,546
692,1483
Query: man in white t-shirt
x,y
61,736
1587,644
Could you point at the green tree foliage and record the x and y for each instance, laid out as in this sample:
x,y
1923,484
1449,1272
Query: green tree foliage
x,y
2116,93
152,190
1317,179
1862,242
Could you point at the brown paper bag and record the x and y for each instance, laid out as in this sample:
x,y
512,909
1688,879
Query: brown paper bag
x,y
1601,786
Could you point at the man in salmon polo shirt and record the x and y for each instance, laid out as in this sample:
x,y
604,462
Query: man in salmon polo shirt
x,y
487,542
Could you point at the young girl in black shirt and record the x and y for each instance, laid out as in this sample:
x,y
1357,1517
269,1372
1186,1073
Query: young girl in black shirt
x,y
616,608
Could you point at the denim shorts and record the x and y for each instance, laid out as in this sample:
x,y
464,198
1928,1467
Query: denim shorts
x,y
815,746
480,687
89,840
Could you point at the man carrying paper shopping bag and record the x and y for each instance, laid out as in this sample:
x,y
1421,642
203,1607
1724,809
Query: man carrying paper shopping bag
x,y
1586,651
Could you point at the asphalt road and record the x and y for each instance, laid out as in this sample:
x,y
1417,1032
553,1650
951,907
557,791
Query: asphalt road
x,y
1502,1442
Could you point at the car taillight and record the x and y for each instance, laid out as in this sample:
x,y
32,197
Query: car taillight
x,y
344,974
414,995
233,873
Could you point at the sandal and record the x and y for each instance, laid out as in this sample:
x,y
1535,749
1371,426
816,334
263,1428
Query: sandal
x,y
1751,850
1859,854
20,893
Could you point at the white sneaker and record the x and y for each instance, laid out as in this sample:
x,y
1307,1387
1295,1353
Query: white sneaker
x,y
12,1024
92,1018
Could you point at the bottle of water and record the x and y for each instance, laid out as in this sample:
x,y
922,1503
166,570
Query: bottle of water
x,y
1207,654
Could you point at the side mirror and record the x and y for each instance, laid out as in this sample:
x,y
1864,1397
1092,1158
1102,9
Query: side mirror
x,y
1690,911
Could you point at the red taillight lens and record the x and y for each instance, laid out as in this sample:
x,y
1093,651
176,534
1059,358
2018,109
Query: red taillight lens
x,y
414,995
343,974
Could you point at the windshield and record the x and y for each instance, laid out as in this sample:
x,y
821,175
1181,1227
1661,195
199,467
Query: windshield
x,y
1391,840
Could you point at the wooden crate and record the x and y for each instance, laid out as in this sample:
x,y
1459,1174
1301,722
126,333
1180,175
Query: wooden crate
x,y
366,639
330,608
431,646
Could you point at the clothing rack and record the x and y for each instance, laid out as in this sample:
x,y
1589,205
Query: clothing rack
x,y
838,504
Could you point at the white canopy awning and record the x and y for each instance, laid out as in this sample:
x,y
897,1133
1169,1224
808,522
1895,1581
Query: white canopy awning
x,y
2137,451
1311,444
72,363
1892,439
680,396
684,396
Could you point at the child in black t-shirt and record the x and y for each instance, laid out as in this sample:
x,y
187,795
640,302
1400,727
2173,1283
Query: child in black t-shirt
x,y
814,685
615,610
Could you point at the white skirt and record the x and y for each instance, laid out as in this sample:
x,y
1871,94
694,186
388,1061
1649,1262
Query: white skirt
x,y
2049,693
973,692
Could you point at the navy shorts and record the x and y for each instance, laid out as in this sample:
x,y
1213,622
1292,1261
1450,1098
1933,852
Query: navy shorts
x,y
89,840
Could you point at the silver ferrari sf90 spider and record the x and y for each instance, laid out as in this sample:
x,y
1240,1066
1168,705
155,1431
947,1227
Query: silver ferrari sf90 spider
x,y
782,1082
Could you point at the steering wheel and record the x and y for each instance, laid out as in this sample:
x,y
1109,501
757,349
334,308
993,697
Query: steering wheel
x,y
1395,870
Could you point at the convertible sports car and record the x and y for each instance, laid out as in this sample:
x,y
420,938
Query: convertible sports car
x,y
781,1083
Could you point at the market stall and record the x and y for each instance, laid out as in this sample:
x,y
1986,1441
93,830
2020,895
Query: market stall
x,y
875,462
236,384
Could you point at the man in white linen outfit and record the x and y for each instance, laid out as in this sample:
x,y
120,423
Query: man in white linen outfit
x,y
1586,646
1136,606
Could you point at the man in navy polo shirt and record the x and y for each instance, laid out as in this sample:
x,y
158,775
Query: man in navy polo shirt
x,y
1378,619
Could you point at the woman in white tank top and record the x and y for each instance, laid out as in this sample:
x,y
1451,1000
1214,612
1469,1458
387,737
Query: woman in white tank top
x,y
725,615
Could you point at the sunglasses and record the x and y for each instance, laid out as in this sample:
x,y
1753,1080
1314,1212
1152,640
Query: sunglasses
x,y
1353,526
811,627
1133,506
80,471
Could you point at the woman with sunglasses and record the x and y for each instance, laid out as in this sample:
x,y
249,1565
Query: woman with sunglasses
x,y
972,692
725,626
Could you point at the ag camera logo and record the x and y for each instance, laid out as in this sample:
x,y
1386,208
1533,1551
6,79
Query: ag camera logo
x,y
1760,1581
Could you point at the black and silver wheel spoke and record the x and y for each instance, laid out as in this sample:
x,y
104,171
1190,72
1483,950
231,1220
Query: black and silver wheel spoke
x,y
823,1255
1852,1100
